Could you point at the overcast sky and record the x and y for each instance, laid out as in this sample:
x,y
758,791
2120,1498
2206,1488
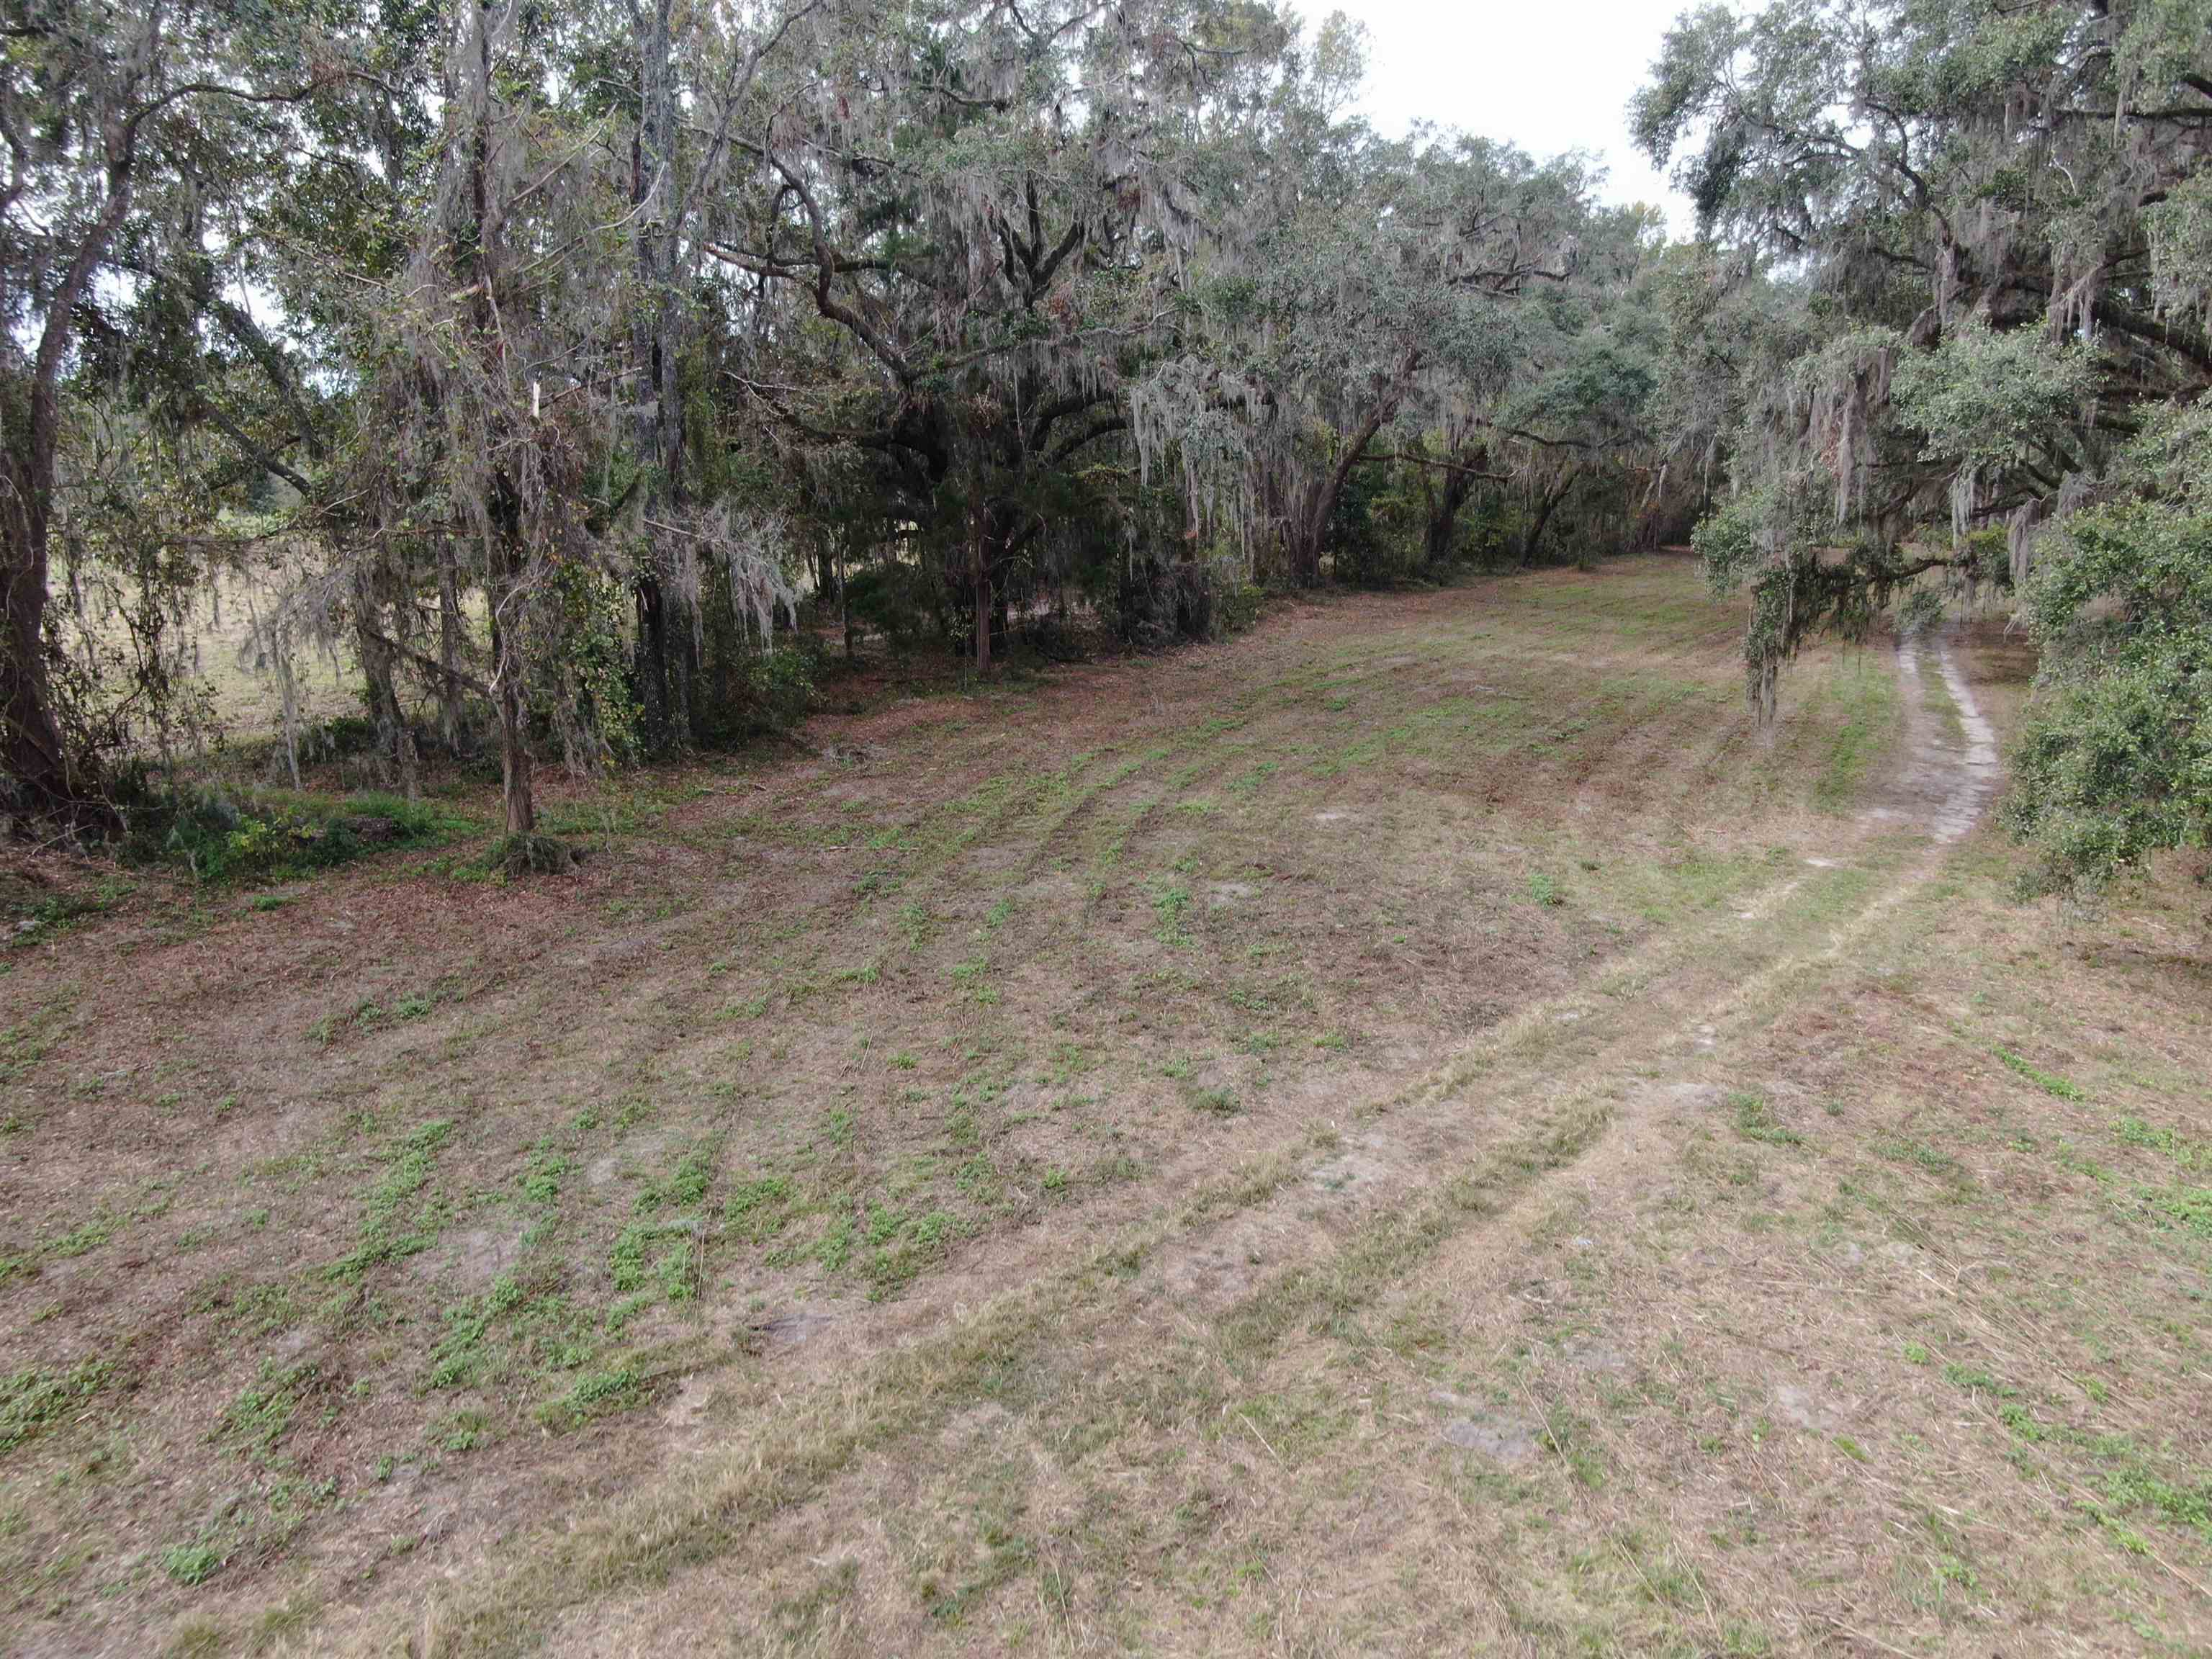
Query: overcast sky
x,y
1549,75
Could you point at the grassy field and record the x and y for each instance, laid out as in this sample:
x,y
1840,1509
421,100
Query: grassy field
x,y
1416,1130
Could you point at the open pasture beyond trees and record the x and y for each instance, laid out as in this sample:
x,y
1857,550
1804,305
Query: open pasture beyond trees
x,y
1418,1129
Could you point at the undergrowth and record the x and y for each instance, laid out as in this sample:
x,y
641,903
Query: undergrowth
x,y
274,835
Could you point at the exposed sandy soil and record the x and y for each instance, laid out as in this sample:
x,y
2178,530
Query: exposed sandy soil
x,y
1416,1130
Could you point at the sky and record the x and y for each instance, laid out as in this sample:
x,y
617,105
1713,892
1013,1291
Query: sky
x,y
1549,75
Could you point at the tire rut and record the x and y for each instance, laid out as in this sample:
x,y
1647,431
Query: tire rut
x,y
1448,1160
1543,1089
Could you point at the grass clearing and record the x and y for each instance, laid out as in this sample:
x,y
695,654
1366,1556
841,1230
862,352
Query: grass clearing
x,y
1212,1174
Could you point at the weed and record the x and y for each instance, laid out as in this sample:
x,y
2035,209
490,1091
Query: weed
x,y
80,1240
1170,908
509,858
2058,1087
2183,1150
459,1357
191,1564
661,1253
261,1412
597,1393
368,1015
2190,1206
384,1234
685,1187
462,1431
544,1171
756,1210
1905,1150
30,1401
834,1249
1755,1122
271,835
1977,1381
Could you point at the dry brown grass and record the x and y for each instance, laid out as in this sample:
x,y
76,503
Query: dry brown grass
x,y
1510,1199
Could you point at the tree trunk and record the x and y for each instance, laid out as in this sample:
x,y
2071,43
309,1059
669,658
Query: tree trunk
x,y
502,571
650,661
1321,508
45,785
379,662
982,573
1546,507
1444,516
515,768
395,744
506,690
667,663
844,605
449,645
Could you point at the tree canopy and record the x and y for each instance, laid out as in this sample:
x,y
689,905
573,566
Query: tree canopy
x,y
570,369
1986,226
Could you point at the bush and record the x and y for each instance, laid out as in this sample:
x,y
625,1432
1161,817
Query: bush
x,y
1159,601
1239,607
903,603
752,692
274,835
780,686
2114,760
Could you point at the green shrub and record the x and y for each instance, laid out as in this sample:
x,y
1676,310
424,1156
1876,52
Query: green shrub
x,y
273,834
903,603
2114,759
780,686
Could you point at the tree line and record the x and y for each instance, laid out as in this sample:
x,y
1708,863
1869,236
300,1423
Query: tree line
x,y
562,361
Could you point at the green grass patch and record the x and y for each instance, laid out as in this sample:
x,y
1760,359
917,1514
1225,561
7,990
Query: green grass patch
x,y
1170,915
2189,1207
397,1219
2058,1087
1754,1121
1866,693
191,1564
33,1401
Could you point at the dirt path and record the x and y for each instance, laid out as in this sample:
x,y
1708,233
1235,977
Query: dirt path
x,y
1572,1074
1948,773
